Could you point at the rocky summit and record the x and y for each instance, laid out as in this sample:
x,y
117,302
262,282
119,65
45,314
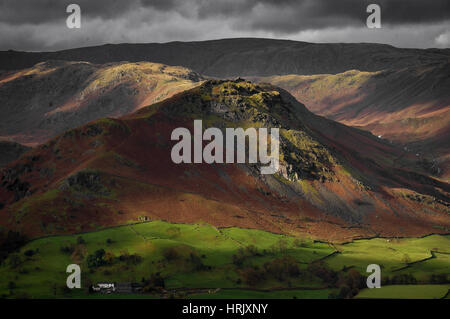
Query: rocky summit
x,y
335,182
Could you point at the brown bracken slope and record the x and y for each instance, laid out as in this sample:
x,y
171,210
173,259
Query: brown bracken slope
x,y
53,96
335,182
408,106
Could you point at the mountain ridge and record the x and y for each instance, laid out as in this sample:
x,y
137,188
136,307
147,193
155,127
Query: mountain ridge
x,y
335,182
53,96
242,56
408,106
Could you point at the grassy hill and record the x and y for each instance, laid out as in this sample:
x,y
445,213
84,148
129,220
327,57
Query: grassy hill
x,y
54,96
195,260
335,182
409,106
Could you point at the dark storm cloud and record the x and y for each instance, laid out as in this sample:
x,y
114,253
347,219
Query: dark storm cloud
x,y
306,11
40,24
44,11
296,15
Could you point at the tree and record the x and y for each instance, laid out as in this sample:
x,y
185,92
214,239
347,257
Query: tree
x,y
29,252
171,254
355,280
251,250
321,270
96,259
252,275
109,258
10,242
68,249
239,257
156,282
196,261
344,292
281,268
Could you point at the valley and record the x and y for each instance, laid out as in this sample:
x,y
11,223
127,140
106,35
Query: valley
x,y
88,175
202,261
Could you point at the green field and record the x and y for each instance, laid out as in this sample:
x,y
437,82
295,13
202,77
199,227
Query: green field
x,y
249,294
394,254
406,292
192,258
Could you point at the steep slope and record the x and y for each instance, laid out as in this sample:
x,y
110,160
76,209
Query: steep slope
x,y
243,57
410,106
10,151
335,182
53,96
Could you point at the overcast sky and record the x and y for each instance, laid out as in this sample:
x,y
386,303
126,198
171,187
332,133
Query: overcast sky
x,y
39,25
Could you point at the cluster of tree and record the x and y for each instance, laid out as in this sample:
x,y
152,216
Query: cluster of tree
x,y
171,254
70,248
194,261
321,270
403,279
302,242
31,252
281,246
281,269
253,275
439,279
130,259
243,253
97,259
105,258
348,281
197,262
9,242
154,284
15,259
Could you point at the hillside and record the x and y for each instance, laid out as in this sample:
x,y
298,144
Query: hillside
x,y
190,258
53,96
410,106
243,56
10,151
335,182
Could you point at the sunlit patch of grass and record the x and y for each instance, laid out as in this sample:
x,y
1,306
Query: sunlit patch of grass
x,y
406,292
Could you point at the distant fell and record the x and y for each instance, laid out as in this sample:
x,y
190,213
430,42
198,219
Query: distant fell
x,y
39,102
334,183
243,56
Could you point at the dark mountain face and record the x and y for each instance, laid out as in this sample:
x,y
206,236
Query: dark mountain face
x,y
397,94
53,96
410,105
334,182
242,57
10,151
